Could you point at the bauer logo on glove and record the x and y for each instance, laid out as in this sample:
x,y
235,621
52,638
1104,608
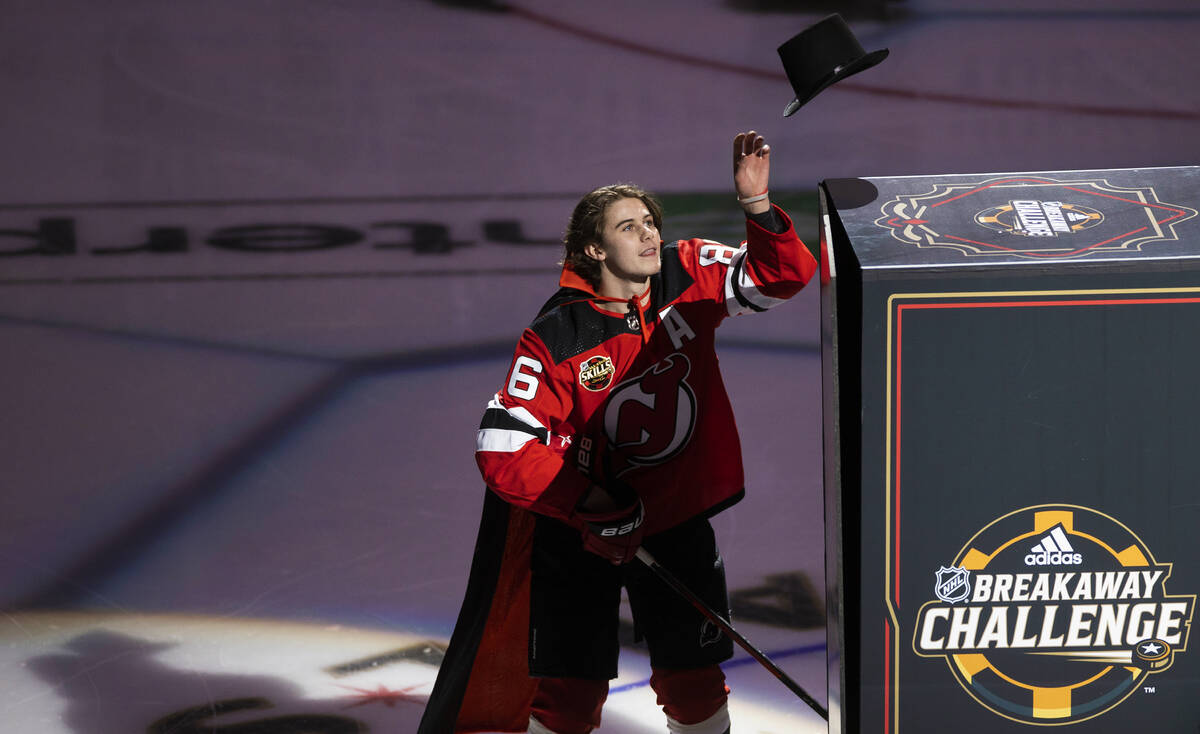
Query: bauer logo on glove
x,y
612,523
625,529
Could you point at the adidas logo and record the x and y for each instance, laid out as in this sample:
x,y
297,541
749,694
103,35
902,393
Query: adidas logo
x,y
1054,549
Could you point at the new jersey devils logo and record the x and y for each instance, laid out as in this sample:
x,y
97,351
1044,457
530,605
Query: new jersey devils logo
x,y
650,418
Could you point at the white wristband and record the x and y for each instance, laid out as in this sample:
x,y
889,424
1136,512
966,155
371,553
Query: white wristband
x,y
752,199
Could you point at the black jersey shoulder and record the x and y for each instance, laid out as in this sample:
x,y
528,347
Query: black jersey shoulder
x,y
563,297
673,280
568,325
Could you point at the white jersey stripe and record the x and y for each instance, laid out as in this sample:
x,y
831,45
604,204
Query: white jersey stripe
x,y
525,417
498,439
503,439
745,287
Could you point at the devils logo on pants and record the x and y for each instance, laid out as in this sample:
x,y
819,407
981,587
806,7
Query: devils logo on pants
x,y
650,418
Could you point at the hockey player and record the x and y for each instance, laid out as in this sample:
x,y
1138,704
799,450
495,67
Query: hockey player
x,y
613,429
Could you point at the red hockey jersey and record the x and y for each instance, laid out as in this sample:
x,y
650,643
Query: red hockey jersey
x,y
638,392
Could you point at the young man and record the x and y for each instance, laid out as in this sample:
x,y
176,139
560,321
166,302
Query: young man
x,y
613,430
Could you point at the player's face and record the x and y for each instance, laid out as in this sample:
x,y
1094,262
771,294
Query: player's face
x,y
630,246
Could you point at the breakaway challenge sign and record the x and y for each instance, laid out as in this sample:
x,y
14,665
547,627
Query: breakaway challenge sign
x,y
1018,354
1053,614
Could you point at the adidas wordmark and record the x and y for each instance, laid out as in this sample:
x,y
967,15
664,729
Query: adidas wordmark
x,y
1054,549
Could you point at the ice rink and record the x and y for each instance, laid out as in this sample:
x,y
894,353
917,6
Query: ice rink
x,y
262,264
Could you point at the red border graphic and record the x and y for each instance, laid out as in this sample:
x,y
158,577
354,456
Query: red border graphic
x,y
897,311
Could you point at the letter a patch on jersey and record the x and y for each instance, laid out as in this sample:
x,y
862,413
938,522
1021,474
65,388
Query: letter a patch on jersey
x,y
676,327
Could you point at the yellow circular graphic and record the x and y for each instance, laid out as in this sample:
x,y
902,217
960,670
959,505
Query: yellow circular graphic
x,y
596,373
1053,614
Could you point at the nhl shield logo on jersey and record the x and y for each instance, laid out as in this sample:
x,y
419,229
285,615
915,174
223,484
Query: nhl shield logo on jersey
x,y
596,373
1065,615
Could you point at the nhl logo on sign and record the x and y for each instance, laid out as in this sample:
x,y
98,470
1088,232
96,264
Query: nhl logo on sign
x,y
596,373
953,584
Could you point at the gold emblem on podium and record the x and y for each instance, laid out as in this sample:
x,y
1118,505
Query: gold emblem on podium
x,y
1066,615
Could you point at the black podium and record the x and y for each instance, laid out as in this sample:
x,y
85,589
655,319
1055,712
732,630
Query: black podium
x,y
1012,451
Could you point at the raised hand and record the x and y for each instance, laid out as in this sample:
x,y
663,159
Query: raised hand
x,y
751,170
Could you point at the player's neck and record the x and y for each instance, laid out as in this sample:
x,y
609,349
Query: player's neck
x,y
625,290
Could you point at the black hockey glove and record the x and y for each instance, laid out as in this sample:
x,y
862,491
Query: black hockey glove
x,y
613,534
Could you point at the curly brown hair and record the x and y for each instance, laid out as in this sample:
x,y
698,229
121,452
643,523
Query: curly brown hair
x,y
587,222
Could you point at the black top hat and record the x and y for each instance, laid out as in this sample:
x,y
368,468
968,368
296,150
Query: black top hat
x,y
823,54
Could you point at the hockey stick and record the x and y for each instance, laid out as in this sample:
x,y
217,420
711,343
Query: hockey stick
x,y
644,556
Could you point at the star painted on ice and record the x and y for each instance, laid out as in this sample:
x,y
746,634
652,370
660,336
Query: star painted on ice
x,y
1151,649
383,695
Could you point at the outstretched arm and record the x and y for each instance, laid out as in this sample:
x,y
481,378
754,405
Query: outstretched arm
x,y
773,263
